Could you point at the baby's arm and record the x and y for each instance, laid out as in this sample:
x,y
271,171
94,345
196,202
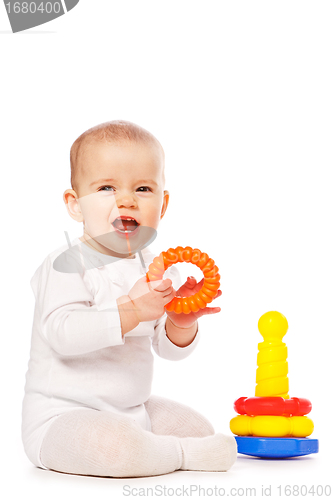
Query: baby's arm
x,y
182,328
182,337
67,316
144,302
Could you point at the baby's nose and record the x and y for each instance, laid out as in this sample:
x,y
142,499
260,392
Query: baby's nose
x,y
126,200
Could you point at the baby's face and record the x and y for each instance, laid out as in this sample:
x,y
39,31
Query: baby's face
x,y
120,193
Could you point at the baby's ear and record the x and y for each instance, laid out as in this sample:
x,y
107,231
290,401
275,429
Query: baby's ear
x,y
165,203
73,208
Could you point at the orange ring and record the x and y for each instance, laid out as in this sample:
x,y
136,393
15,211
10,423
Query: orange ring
x,y
210,271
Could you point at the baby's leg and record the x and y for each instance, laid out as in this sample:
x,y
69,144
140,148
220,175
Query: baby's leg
x,y
175,419
99,443
96,443
202,449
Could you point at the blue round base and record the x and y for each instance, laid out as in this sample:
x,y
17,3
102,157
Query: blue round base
x,y
276,447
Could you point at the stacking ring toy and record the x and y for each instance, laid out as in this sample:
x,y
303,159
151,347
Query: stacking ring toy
x,y
276,447
271,426
210,271
272,406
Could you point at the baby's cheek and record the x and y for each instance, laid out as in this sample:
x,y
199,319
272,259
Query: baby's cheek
x,y
96,227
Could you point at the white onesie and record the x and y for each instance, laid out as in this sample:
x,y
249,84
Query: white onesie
x,y
78,357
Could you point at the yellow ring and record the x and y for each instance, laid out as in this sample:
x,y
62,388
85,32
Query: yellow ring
x,y
271,426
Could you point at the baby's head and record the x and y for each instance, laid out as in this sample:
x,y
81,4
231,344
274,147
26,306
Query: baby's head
x,y
117,178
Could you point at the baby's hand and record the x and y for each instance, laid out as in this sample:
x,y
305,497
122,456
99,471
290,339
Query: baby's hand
x,y
149,298
191,287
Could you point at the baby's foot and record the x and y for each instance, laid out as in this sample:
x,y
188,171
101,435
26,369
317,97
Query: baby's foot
x,y
212,453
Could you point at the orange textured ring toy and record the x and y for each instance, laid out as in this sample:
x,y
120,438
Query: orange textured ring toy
x,y
210,271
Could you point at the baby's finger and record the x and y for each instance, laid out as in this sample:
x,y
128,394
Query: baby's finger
x,y
168,297
161,286
169,290
188,285
211,310
191,282
154,284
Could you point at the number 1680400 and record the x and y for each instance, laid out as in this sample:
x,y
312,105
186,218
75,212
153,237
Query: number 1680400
x,y
33,7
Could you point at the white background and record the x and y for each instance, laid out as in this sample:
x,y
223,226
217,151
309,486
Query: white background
x,y
239,93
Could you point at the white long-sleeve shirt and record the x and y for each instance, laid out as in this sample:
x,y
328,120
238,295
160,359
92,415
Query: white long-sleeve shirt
x,y
79,358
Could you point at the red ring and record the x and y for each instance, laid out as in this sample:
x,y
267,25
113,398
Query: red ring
x,y
272,406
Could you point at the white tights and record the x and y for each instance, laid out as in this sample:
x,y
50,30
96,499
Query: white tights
x,y
99,443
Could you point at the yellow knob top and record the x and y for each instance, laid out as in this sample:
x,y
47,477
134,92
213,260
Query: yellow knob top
x,y
273,325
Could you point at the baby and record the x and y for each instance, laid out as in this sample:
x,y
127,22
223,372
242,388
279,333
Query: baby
x,y
87,407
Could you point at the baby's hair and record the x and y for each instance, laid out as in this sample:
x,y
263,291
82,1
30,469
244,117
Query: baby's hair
x,y
116,131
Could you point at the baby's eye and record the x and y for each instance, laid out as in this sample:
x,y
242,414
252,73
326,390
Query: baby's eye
x,y
143,189
106,188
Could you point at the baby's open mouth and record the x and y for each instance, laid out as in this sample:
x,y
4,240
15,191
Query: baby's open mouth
x,y
125,224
